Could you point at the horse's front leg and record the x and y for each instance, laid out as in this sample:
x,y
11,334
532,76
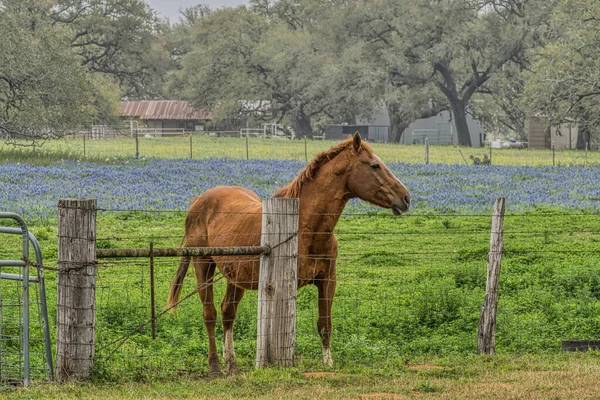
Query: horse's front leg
x,y
326,286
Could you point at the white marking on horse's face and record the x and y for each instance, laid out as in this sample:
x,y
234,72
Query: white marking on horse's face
x,y
327,360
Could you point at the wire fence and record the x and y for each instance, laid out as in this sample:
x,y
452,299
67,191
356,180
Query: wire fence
x,y
201,146
403,292
407,288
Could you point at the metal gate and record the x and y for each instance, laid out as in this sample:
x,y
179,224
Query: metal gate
x,y
17,345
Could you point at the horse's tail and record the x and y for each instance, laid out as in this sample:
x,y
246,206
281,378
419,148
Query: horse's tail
x,y
177,283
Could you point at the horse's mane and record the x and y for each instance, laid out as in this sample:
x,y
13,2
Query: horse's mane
x,y
292,190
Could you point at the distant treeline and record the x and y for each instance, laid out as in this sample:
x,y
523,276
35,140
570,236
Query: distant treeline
x,y
303,63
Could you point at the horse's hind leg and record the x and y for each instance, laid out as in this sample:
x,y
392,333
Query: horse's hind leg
x,y
205,270
232,298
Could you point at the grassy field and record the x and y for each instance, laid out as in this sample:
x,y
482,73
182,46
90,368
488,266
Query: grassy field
x,y
108,150
405,313
409,294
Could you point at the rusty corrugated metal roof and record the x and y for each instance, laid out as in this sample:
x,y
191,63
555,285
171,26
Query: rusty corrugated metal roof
x,y
163,109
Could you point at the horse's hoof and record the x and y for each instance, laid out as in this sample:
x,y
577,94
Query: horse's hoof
x,y
215,374
327,360
234,371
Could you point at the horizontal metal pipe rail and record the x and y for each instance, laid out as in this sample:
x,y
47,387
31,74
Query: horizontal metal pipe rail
x,y
184,251
17,277
13,263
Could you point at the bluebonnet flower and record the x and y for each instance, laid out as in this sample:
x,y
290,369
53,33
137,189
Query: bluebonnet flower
x,y
163,184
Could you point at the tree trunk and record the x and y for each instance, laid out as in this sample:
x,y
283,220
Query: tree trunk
x,y
397,123
401,119
303,125
459,114
583,134
398,128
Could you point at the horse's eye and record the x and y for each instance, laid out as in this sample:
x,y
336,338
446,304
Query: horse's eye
x,y
375,166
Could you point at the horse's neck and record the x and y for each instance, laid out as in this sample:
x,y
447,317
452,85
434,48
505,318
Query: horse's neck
x,y
322,201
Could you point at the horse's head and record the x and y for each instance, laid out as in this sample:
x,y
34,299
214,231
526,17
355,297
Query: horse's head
x,y
369,179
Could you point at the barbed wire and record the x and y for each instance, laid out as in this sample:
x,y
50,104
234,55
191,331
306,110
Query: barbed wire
x,y
376,214
381,213
446,231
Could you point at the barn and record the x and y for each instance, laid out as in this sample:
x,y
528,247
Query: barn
x,y
375,129
165,115
543,136
438,129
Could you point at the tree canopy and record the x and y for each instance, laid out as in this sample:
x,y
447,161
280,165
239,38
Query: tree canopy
x,y
339,58
66,63
564,81
43,89
263,65
304,63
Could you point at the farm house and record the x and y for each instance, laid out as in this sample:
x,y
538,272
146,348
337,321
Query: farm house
x,y
172,116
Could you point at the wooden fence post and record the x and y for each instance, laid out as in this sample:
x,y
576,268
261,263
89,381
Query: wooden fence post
x,y
76,298
247,145
305,149
486,335
276,336
426,151
137,144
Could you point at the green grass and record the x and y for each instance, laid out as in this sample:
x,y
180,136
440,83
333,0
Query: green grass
x,y
116,150
570,376
40,156
409,289
409,293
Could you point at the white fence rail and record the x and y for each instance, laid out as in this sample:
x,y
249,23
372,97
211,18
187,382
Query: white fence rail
x,y
159,132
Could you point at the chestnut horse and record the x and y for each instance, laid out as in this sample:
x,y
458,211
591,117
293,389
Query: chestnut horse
x,y
231,216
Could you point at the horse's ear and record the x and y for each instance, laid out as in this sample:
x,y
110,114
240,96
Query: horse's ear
x,y
356,140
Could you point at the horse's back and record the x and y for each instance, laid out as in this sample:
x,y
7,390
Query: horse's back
x,y
224,216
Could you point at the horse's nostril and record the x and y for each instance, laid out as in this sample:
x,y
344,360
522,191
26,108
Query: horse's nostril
x,y
407,200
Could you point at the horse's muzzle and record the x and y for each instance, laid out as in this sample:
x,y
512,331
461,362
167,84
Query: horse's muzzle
x,y
398,209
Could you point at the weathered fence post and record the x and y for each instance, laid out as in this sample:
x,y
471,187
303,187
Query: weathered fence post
x,y
426,151
152,292
305,149
137,144
247,146
276,336
76,298
486,335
